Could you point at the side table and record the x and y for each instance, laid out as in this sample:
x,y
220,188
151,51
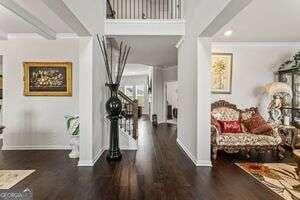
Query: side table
x,y
287,134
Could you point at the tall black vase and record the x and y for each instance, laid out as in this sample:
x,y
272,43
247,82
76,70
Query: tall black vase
x,y
114,108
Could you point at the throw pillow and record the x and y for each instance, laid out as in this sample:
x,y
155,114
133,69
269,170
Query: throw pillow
x,y
265,129
230,127
257,125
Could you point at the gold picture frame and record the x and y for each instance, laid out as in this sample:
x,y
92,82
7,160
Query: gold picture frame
x,y
47,78
221,73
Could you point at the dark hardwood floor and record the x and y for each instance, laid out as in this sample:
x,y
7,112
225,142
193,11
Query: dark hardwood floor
x,y
158,170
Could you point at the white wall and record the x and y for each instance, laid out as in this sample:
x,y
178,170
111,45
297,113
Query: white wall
x,y
93,95
172,93
253,67
100,95
198,14
36,122
160,76
157,103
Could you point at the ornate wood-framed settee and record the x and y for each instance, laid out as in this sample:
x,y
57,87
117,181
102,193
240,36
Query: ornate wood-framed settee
x,y
240,142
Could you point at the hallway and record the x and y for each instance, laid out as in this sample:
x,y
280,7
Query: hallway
x,y
158,170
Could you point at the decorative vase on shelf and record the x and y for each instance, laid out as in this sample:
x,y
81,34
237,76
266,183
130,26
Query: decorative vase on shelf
x,y
114,108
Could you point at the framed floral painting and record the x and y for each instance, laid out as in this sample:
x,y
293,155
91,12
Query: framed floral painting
x,y
221,73
47,78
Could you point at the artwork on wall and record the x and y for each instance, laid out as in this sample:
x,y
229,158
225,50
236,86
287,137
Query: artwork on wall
x,y
221,73
47,78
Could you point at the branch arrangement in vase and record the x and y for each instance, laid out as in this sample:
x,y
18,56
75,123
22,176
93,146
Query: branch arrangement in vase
x,y
107,52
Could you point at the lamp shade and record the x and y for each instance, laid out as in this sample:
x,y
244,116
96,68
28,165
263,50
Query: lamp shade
x,y
277,87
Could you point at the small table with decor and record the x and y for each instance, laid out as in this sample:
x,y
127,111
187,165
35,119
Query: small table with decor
x,y
287,133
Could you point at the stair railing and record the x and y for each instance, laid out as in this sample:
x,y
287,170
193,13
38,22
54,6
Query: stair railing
x,y
129,121
110,13
145,9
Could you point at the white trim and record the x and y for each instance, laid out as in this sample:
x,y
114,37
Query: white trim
x,y
250,44
85,163
144,21
90,163
144,27
180,41
98,155
66,35
24,35
186,151
204,163
36,147
37,36
199,163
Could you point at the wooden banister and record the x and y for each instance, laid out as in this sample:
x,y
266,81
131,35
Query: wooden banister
x,y
110,13
130,108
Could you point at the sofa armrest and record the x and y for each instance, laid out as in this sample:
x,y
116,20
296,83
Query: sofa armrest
x,y
215,132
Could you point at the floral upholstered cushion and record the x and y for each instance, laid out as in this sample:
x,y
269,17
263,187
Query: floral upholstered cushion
x,y
249,139
225,114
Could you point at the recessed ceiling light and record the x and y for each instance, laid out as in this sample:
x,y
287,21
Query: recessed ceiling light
x,y
228,33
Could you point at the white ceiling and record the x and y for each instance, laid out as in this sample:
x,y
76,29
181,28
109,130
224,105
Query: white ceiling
x,y
136,69
152,50
11,23
265,21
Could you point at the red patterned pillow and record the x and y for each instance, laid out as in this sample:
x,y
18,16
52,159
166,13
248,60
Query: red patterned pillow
x,y
231,127
257,125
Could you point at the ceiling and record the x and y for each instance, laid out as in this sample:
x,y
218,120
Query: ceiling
x,y
11,23
152,50
136,69
265,21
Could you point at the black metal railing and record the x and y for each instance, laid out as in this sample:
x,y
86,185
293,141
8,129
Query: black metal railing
x,y
144,9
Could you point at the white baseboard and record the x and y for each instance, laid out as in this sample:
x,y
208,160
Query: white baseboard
x,y
36,147
98,154
186,151
204,163
198,163
85,163
90,163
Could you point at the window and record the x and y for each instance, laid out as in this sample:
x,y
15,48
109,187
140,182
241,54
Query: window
x,y
140,92
129,91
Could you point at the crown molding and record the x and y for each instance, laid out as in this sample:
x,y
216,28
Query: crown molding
x,y
37,36
145,21
253,44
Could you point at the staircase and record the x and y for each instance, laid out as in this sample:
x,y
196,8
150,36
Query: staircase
x,y
129,122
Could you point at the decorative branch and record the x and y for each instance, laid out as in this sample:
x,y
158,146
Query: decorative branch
x,y
123,52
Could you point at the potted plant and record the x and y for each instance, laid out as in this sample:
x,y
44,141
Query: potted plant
x,y
72,125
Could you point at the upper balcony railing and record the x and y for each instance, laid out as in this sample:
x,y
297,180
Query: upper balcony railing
x,y
144,9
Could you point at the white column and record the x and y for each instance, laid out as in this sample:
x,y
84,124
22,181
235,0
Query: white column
x,y
203,101
85,101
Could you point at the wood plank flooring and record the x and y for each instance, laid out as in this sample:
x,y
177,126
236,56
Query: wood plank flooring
x,y
158,170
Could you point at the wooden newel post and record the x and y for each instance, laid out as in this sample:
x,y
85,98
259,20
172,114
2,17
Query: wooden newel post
x,y
135,118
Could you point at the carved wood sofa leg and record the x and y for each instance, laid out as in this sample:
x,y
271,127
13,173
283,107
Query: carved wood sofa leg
x,y
281,152
214,152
